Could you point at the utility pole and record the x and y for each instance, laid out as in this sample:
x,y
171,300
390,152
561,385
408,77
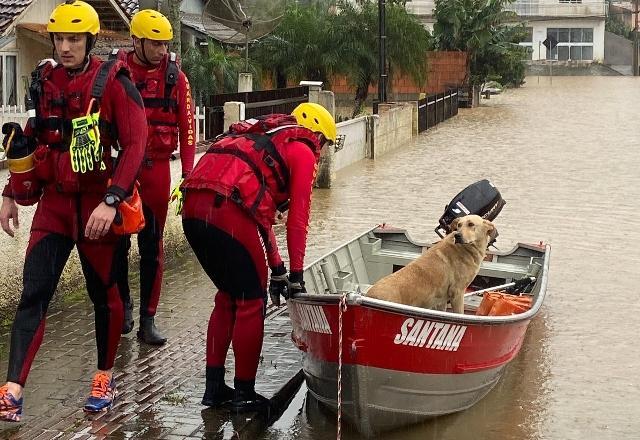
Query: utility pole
x,y
382,32
635,39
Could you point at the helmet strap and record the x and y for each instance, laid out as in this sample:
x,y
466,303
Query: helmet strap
x,y
143,58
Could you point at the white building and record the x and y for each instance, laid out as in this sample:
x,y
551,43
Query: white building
x,y
576,25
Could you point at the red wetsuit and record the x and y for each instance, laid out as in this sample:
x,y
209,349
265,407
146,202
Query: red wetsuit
x,y
66,200
170,118
233,243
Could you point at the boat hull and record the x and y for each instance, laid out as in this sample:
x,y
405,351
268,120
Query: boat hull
x,y
376,400
398,369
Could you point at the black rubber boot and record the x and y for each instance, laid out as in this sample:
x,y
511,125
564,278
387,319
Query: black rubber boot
x,y
245,398
148,332
127,324
217,393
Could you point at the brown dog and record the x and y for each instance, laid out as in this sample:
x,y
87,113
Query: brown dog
x,y
443,271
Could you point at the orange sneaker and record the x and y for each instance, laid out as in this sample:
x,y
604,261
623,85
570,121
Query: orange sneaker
x,y
103,393
10,407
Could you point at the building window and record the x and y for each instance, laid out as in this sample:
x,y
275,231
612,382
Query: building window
x,y
8,79
573,44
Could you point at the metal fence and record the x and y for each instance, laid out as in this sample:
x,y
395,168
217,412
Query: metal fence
x,y
257,103
436,108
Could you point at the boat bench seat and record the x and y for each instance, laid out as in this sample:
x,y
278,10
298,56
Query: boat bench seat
x,y
487,268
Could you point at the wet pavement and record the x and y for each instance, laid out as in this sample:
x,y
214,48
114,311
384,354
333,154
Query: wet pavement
x,y
159,388
565,157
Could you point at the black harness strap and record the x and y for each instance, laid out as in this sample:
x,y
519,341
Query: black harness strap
x,y
170,79
166,103
97,89
235,196
263,142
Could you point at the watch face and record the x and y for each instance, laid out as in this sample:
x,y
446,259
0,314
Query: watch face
x,y
110,200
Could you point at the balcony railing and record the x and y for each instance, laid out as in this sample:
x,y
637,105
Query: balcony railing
x,y
540,8
559,8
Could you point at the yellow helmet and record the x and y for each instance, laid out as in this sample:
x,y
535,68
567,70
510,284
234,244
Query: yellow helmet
x,y
74,16
152,25
317,119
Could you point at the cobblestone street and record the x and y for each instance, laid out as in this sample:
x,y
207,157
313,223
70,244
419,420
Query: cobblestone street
x,y
159,389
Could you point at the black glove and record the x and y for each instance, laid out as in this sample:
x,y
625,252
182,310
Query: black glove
x,y
21,145
296,283
278,285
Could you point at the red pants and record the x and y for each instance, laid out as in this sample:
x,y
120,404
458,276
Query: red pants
x,y
155,182
58,225
229,247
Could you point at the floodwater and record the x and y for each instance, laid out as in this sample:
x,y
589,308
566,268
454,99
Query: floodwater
x,y
565,156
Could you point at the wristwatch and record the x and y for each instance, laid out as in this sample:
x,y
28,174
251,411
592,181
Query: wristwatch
x,y
111,200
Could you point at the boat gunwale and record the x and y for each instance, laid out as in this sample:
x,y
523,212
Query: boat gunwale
x,y
355,298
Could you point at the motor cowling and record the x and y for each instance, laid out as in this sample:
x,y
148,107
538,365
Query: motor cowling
x,y
480,198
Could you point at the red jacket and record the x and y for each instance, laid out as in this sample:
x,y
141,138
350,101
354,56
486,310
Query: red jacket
x,y
262,171
169,118
122,120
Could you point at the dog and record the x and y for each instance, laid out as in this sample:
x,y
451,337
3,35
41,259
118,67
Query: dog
x,y
442,273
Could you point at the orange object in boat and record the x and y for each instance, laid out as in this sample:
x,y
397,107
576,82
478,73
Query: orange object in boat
x,y
500,304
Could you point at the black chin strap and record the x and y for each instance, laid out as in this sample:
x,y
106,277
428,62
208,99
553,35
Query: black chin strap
x,y
144,58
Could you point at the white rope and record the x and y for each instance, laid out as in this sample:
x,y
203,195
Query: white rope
x,y
342,307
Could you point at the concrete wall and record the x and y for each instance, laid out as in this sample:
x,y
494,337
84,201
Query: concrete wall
x,y
393,129
617,50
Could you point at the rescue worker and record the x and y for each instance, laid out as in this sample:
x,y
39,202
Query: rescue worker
x,y
230,203
62,161
169,108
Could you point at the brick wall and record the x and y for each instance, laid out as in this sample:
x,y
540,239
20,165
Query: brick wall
x,y
443,69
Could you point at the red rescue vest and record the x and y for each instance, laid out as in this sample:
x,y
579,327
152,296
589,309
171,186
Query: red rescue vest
x,y
246,166
159,95
55,109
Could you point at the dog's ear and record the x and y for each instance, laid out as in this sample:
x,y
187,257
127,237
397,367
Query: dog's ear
x,y
491,229
454,224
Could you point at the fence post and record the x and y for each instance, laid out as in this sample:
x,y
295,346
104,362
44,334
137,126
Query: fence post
x,y
327,99
314,90
233,112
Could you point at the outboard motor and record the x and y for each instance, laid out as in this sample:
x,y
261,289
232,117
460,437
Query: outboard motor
x,y
480,198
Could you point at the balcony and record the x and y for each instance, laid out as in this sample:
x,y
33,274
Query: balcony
x,y
530,8
559,8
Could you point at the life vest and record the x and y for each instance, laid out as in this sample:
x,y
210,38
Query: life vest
x,y
52,126
246,165
159,95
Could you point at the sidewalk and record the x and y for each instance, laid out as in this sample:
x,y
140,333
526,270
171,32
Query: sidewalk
x,y
160,389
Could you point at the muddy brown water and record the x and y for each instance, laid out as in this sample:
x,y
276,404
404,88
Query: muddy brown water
x,y
565,157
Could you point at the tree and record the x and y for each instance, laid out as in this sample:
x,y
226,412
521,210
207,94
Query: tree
x,y
301,47
316,41
483,29
214,70
357,29
172,11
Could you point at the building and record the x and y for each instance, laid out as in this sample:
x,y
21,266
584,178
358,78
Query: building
x,y
578,27
24,40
